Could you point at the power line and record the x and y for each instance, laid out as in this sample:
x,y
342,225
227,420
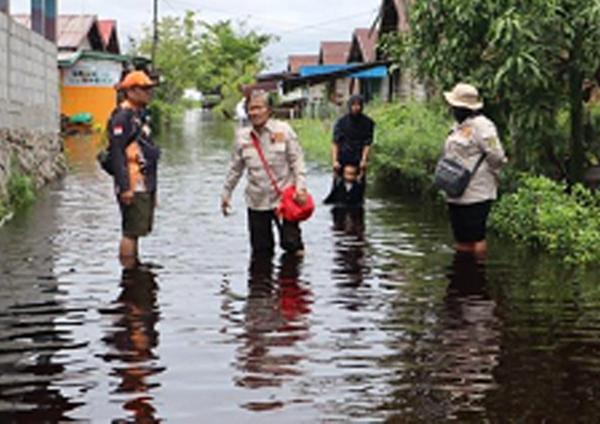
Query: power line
x,y
318,25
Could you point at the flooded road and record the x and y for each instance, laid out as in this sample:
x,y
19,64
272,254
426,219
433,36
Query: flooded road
x,y
380,321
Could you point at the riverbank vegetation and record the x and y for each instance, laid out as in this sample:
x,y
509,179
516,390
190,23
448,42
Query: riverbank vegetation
x,y
21,192
543,214
212,58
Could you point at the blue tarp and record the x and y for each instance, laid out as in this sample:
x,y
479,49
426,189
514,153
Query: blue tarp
x,y
377,72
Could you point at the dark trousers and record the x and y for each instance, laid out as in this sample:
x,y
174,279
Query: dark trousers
x,y
260,225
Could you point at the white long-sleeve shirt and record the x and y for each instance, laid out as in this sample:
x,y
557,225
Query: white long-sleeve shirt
x,y
284,155
466,143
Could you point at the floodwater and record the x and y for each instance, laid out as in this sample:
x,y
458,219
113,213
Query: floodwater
x,y
380,321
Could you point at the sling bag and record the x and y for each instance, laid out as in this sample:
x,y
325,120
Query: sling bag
x,y
288,208
452,177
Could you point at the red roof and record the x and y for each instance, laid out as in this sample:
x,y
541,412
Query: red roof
x,y
296,61
334,52
106,28
71,30
366,41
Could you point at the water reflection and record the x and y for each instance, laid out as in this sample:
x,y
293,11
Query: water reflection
x,y
350,267
275,320
470,338
133,338
31,336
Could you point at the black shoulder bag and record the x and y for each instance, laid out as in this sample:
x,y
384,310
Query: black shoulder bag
x,y
452,177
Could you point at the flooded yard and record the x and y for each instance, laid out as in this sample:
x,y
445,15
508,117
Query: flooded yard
x,y
380,321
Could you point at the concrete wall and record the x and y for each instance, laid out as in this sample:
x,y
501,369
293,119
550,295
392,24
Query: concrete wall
x,y
29,105
28,79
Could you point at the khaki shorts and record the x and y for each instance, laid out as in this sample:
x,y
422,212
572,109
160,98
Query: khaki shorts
x,y
137,217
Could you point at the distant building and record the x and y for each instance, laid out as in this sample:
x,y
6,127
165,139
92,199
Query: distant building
x,y
297,61
108,34
401,84
363,49
336,53
90,64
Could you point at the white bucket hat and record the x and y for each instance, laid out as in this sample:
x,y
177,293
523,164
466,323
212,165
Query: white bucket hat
x,y
464,95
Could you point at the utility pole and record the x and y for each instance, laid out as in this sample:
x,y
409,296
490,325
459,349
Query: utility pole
x,y
155,33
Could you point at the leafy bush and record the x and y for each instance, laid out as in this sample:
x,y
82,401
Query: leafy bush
x,y
409,140
21,190
543,214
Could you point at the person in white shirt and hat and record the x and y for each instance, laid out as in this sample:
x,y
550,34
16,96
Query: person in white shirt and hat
x,y
473,136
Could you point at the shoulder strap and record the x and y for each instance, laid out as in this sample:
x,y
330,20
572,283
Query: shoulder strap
x,y
479,162
265,164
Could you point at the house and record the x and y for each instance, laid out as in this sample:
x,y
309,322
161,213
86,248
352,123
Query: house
x,y
394,18
336,53
297,61
363,49
108,34
90,65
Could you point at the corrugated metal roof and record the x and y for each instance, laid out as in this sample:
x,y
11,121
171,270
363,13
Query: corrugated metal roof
x,y
296,61
69,58
367,43
71,30
334,52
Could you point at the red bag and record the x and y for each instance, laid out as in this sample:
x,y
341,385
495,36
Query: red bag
x,y
288,208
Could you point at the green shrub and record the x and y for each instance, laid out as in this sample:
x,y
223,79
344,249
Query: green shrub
x,y
409,140
21,190
543,214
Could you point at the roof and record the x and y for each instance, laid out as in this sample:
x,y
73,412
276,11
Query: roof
x,y
296,61
334,52
365,42
353,70
66,59
324,73
394,15
106,28
71,30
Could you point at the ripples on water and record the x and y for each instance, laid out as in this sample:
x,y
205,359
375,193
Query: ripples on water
x,y
381,321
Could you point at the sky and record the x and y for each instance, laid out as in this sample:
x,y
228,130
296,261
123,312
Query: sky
x,y
300,25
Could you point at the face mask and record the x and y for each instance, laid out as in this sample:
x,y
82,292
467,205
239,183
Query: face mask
x,y
461,114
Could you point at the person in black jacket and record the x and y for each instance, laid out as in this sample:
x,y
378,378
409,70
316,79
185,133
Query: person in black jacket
x,y
352,138
134,161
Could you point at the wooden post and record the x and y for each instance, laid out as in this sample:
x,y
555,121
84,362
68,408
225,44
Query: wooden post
x,y
50,20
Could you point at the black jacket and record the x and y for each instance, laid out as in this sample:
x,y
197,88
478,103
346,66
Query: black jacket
x,y
124,127
341,196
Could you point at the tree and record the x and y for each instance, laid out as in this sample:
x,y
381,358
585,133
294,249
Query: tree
x,y
209,57
229,59
530,59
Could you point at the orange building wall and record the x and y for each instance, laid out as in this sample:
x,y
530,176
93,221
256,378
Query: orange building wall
x,y
99,101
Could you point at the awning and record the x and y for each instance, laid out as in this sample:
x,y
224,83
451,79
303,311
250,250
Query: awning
x,y
311,75
378,71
